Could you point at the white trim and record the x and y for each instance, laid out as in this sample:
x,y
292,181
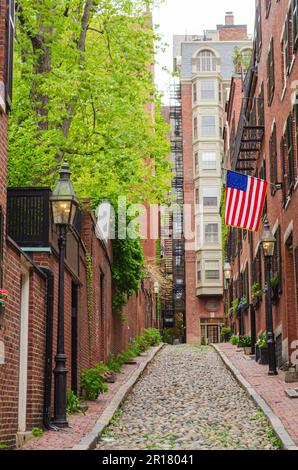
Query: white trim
x,y
288,231
23,364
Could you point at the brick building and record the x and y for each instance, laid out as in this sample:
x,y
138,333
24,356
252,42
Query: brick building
x,y
29,271
261,139
205,65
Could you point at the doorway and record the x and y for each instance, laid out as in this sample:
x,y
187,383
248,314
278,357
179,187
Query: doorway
x,y
74,338
210,330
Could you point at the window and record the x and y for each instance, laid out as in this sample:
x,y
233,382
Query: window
x,y
290,151
276,260
212,270
258,29
220,91
206,62
197,196
257,269
195,128
295,24
267,6
194,88
208,126
210,197
9,50
288,42
263,176
196,162
283,171
283,63
211,234
270,73
209,162
199,271
261,111
273,159
207,90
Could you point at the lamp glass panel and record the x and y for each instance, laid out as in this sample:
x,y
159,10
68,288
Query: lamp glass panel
x,y
61,212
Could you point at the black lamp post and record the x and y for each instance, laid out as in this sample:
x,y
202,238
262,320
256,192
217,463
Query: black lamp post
x,y
64,205
268,243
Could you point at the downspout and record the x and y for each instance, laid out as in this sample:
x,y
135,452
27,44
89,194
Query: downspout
x,y
49,348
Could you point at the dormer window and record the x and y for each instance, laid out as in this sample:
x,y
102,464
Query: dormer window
x,y
206,62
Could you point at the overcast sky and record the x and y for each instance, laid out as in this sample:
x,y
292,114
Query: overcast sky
x,y
193,17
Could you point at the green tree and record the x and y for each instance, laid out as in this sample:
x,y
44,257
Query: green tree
x,y
84,90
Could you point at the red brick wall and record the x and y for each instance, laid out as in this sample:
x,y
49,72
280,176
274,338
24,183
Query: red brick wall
x,y
285,312
36,349
233,33
9,371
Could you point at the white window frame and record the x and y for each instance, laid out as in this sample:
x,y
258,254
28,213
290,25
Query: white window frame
x,y
208,129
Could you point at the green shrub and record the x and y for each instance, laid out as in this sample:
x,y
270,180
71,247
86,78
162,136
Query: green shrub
x,y
262,341
37,432
234,340
152,336
168,335
244,342
92,383
114,364
225,333
73,403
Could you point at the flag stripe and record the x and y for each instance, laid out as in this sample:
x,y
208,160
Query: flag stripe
x,y
234,215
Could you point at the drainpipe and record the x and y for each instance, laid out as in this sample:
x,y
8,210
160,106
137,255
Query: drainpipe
x,y
49,349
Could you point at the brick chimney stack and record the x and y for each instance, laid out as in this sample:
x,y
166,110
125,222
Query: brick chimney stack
x,y
229,18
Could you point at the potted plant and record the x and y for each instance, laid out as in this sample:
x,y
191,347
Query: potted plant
x,y
245,343
256,294
234,340
288,373
263,349
243,304
225,334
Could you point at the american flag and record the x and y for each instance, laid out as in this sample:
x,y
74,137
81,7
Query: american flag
x,y
245,198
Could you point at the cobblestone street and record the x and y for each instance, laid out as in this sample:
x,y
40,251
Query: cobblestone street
x,y
187,400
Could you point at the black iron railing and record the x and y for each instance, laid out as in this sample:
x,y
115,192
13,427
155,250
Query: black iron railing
x,y
28,216
29,221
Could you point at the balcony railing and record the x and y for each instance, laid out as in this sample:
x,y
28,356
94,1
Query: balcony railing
x,y
249,136
29,223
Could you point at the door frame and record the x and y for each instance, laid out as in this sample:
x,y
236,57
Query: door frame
x,y
23,361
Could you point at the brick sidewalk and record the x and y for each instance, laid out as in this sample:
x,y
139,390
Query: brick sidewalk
x,y
271,389
81,424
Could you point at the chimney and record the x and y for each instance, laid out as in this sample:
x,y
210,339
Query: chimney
x,y
229,18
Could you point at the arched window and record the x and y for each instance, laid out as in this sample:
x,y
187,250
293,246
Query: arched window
x,y
206,62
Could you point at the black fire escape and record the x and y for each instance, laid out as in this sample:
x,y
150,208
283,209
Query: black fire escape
x,y
178,216
251,128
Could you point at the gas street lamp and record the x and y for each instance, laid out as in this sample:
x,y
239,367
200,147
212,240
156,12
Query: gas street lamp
x,y
268,244
64,206
227,271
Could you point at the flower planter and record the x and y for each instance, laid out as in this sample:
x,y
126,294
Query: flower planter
x,y
264,358
288,376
